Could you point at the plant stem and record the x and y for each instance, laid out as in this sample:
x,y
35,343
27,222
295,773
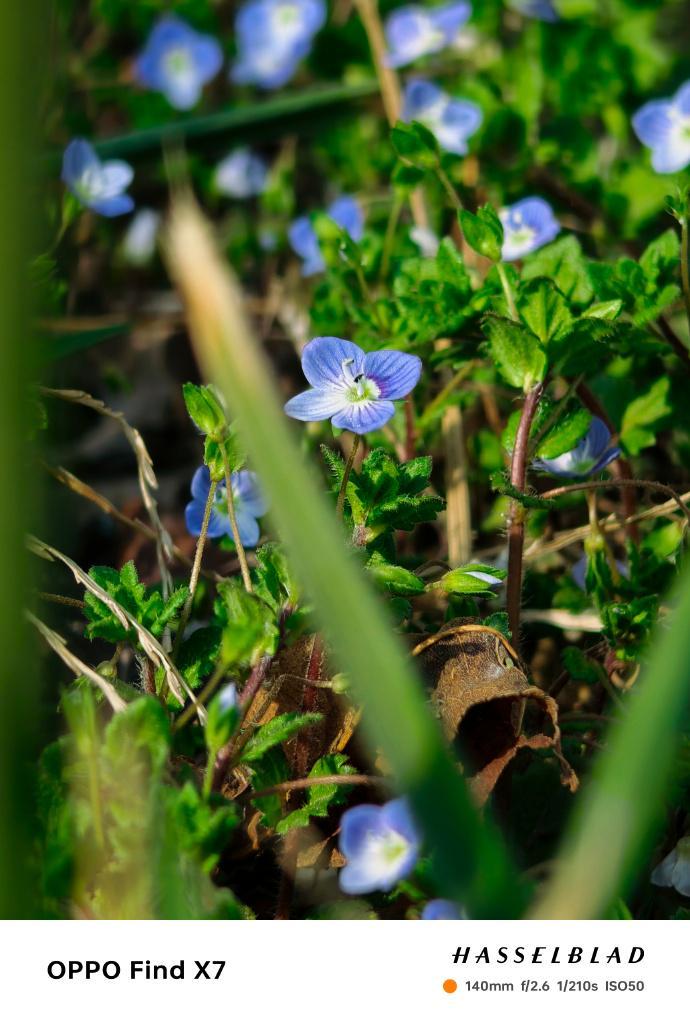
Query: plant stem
x,y
516,529
239,547
388,240
340,505
217,769
684,270
623,483
507,290
296,784
196,568
191,709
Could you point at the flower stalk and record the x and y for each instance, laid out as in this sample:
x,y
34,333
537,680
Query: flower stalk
x,y
340,504
196,569
232,516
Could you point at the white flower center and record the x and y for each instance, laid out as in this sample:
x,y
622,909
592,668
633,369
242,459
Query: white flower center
x,y
178,62
359,387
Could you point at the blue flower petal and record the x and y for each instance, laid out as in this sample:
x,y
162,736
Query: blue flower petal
x,y
357,824
316,404
652,122
450,18
248,527
367,416
419,95
347,213
201,483
117,206
115,177
398,816
304,242
394,372
194,516
245,485
219,523
79,156
441,909
323,357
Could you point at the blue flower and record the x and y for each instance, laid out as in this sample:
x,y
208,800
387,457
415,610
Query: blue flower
x,y
273,36
248,501
674,869
354,389
228,698
664,127
453,121
591,455
442,909
542,9
413,31
99,186
345,211
380,844
178,61
241,174
579,571
527,225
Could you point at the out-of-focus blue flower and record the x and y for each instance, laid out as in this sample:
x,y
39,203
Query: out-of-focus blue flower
x,y
664,127
248,501
674,869
345,211
426,240
241,174
453,121
380,844
443,909
542,9
139,244
354,389
99,186
273,36
591,455
178,61
527,225
228,698
413,31
579,571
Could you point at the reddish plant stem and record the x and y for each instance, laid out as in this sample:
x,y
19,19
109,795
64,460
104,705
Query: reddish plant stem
x,y
251,688
620,468
516,526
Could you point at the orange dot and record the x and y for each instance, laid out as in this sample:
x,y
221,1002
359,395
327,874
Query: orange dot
x,y
450,986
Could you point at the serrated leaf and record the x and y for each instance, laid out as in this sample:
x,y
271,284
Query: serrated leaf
x,y
276,731
544,309
394,579
320,798
516,351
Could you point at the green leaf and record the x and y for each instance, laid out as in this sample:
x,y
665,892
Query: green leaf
x,y
474,579
415,144
544,309
583,347
204,408
407,178
199,653
451,268
320,798
564,263
662,254
277,731
641,414
394,579
61,344
608,310
565,434
483,231
580,667
250,628
516,350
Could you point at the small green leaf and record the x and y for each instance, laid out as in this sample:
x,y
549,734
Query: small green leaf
x,y
516,350
608,310
483,231
407,178
394,579
544,309
320,798
641,414
474,579
204,408
415,144
277,731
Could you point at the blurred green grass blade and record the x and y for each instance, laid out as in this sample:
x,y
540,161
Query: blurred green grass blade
x,y
624,797
21,54
261,117
470,859
53,347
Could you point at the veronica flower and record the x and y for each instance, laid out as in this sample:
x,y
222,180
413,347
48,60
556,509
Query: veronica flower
x,y
178,61
248,501
139,244
664,127
442,909
355,390
453,121
591,455
345,211
579,571
100,186
241,174
674,869
228,698
527,225
380,844
542,9
413,31
273,36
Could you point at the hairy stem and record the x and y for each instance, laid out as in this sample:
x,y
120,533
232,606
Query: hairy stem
x,y
684,270
239,547
623,483
217,769
340,505
196,568
516,526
